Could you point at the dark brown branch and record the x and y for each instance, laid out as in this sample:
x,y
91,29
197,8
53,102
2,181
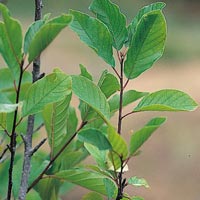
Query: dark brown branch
x,y
55,157
38,146
4,152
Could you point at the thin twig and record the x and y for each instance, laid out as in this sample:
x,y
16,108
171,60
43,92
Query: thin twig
x,y
4,152
38,146
38,128
126,83
55,157
127,114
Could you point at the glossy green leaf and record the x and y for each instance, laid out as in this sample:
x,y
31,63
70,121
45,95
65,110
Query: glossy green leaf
x,y
128,97
167,100
138,182
55,119
85,73
119,147
44,35
10,41
140,136
94,137
110,14
147,45
95,34
88,179
110,188
88,92
52,88
92,196
146,9
108,84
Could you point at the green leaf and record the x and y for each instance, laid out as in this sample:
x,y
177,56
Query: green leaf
x,y
108,84
110,188
88,92
55,119
2,121
44,35
137,198
33,195
138,182
10,41
8,108
85,73
52,88
147,45
99,155
128,97
145,10
167,100
95,34
110,14
31,32
94,137
119,147
92,196
140,136
91,180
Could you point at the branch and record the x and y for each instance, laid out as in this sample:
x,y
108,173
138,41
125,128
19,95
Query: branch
x,y
28,151
55,157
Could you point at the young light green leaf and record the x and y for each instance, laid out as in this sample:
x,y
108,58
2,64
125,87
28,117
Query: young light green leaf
x,y
85,73
10,41
108,84
88,92
55,119
128,97
8,108
140,136
44,35
88,179
33,195
119,148
95,34
52,88
147,44
92,196
167,100
138,182
137,198
94,137
146,9
110,14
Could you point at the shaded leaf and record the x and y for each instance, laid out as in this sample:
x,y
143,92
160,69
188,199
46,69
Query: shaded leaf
x,y
33,195
108,84
42,35
95,34
10,44
55,119
146,9
167,100
110,188
52,88
2,121
85,178
147,45
138,182
88,92
140,136
92,196
128,97
94,137
110,14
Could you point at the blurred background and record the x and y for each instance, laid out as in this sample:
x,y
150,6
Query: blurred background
x,y
170,160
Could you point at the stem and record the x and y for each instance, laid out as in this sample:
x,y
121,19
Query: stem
x,y
121,94
55,157
127,114
12,145
30,127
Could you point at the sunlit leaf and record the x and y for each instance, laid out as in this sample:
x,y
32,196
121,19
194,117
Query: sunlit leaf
x,y
110,14
138,182
85,73
147,45
52,88
167,100
140,136
95,34
7,108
